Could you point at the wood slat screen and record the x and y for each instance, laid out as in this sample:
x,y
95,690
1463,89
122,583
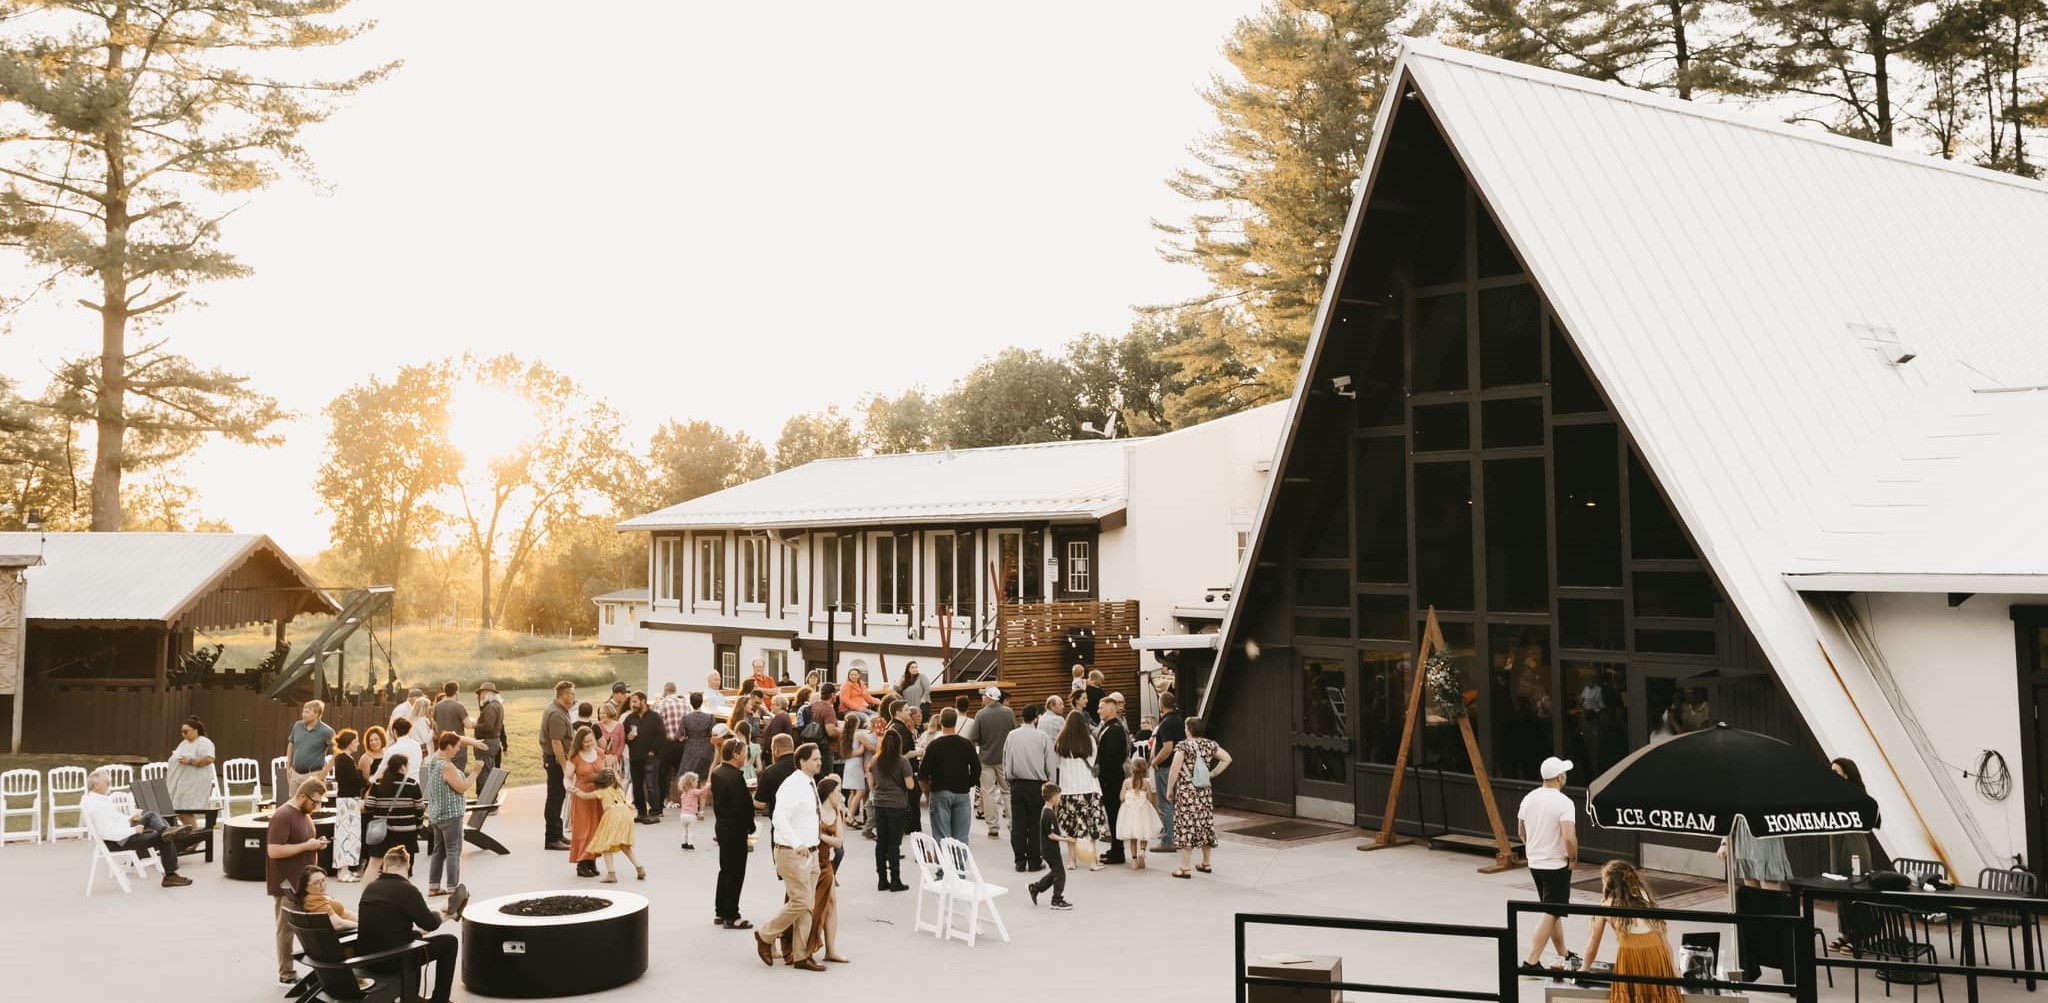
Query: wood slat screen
x,y
1033,659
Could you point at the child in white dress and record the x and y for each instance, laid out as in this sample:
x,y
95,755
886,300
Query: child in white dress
x,y
1137,824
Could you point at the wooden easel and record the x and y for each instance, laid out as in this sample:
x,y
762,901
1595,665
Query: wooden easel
x,y
1504,852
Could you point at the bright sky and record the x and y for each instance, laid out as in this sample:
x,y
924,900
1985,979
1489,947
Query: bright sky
x,y
696,211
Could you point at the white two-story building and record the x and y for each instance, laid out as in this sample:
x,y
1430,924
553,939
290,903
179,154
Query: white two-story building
x,y
1015,561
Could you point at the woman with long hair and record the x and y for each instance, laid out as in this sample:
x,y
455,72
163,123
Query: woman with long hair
x,y
825,908
349,786
1080,814
310,891
584,813
1858,845
1640,944
855,744
889,785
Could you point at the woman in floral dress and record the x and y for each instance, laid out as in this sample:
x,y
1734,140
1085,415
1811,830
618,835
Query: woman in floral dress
x,y
1196,762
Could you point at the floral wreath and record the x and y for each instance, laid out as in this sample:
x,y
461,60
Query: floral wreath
x,y
1446,686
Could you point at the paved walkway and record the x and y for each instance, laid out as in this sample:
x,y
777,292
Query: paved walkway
x,y
1131,935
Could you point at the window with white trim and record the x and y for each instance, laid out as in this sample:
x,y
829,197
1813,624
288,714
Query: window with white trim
x,y
838,562
668,568
1077,566
792,576
954,583
753,578
776,662
1243,543
892,573
711,569
611,614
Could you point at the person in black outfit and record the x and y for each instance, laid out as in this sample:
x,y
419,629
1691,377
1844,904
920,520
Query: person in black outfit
x,y
390,908
1051,837
735,808
1112,751
904,722
644,739
949,772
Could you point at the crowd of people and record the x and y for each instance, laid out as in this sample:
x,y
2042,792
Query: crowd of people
x,y
804,768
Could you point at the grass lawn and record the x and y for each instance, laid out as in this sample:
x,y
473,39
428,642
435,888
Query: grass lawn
x,y
43,765
427,657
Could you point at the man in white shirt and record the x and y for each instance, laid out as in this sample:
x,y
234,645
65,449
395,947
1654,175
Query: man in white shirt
x,y
1547,821
796,862
137,831
714,696
405,743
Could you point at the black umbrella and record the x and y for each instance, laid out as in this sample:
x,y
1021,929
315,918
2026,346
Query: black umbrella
x,y
1698,783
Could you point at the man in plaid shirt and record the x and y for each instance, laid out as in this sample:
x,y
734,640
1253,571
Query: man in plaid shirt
x,y
671,708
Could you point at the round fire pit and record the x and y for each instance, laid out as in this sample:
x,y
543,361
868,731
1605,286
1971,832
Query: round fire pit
x,y
553,943
246,840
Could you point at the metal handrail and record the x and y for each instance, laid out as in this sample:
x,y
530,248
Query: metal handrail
x,y
1503,947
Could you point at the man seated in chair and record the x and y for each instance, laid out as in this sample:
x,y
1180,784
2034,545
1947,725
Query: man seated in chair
x,y
390,909
140,832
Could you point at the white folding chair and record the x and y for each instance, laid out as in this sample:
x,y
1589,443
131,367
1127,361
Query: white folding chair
x,y
21,796
965,887
931,880
124,800
66,781
156,771
240,783
120,864
120,777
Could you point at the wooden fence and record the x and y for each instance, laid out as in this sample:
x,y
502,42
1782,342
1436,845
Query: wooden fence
x,y
1033,657
140,722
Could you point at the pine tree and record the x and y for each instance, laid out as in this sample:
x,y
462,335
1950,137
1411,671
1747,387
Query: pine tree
x,y
1851,58
1274,183
1681,47
144,127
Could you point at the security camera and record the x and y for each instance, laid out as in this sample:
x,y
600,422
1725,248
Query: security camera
x,y
1342,385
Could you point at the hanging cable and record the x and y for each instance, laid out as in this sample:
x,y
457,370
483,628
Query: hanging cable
x,y
1994,781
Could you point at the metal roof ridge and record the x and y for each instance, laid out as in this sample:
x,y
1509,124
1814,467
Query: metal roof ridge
x,y
1428,49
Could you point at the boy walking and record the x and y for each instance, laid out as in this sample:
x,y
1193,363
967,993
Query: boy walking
x,y
1049,832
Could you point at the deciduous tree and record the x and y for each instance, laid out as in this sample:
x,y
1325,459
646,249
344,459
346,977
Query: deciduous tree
x,y
569,459
687,459
819,435
131,128
388,459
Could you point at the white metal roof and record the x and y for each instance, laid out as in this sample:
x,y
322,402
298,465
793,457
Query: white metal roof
x,y
129,576
1176,642
622,595
1723,274
1054,480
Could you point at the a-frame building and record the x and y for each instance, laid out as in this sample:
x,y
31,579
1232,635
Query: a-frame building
x,y
1676,415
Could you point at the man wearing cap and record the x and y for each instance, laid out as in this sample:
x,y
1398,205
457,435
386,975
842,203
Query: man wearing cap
x,y
1112,752
992,725
1547,821
490,724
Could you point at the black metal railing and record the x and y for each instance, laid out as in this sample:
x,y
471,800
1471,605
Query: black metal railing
x,y
1507,969
1961,907
1504,949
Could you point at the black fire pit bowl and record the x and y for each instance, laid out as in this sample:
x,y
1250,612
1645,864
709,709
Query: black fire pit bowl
x,y
568,950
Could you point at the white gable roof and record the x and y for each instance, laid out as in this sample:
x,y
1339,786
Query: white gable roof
x,y
131,577
1724,275
1054,480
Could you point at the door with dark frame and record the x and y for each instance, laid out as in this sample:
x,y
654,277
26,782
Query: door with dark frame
x,y
1325,727
2031,627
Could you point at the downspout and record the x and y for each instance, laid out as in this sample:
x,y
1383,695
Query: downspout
x,y
1853,627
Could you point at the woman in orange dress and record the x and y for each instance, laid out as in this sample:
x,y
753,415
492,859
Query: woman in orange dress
x,y
825,908
585,813
1641,947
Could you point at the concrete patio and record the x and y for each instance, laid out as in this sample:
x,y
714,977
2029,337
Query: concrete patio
x,y
1131,935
